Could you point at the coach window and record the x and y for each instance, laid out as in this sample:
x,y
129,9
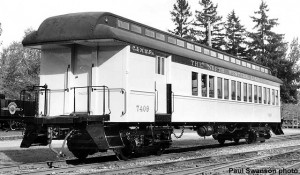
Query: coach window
x,y
255,94
276,97
273,97
226,89
245,92
268,95
211,86
250,92
220,90
204,85
160,65
265,95
233,90
259,94
239,91
194,83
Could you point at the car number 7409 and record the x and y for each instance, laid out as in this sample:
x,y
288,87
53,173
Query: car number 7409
x,y
142,108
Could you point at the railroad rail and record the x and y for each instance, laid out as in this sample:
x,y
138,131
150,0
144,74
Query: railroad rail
x,y
61,167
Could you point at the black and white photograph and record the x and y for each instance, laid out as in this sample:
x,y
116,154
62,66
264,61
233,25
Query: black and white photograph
x,y
136,87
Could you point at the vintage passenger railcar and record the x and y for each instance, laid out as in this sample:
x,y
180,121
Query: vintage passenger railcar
x,y
107,82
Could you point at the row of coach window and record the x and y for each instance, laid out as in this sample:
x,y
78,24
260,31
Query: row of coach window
x,y
190,46
232,90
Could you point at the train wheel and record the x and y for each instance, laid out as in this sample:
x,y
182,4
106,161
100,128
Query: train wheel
x,y
236,141
80,154
123,153
160,150
81,144
126,152
221,141
251,137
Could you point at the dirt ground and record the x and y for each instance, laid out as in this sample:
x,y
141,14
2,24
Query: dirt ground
x,y
11,153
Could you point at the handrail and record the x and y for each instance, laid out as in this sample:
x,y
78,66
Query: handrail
x,y
123,91
35,88
46,91
156,101
173,101
93,88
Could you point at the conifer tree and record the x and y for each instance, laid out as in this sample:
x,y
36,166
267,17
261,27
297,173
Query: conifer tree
x,y
265,46
180,16
0,34
290,74
235,36
202,18
268,48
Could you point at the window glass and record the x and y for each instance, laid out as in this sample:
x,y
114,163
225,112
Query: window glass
x,y
245,92
204,85
195,83
220,56
198,48
124,25
190,46
136,28
276,96
259,94
160,65
206,51
250,92
244,63
212,53
255,94
265,95
248,65
160,36
220,89
226,89
232,60
238,91
257,68
149,33
273,97
233,90
226,58
211,86
268,96
180,43
172,40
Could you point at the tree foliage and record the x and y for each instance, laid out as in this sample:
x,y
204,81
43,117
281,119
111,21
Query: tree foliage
x,y
262,45
268,48
235,36
202,18
0,34
289,73
180,16
265,45
19,68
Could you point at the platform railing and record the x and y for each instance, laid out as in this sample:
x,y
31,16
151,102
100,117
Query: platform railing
x,y
46,100
90,89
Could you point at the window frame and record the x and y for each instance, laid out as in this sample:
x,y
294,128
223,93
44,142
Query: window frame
x,y
220,88
195,84
226,89
233,90
211,86
204,89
